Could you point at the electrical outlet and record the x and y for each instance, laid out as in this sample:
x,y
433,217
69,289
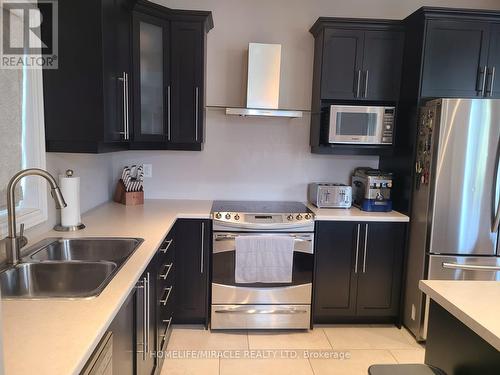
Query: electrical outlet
x,y
148,170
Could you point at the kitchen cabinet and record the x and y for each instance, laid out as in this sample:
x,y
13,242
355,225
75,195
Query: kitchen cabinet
x,y
358,270
192,261
84,98
448,53
341,72
493,87
145,324
118,85
360,59
165,295
169,52
455,58
122,328
356,62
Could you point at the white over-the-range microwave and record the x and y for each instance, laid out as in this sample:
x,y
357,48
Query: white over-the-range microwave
x,y
359,124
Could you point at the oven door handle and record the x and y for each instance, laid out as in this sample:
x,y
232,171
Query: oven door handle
x,y
251,311
261,226
230,237
302,243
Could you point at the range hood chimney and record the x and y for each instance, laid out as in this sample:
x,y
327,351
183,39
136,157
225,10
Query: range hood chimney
x,y
263,83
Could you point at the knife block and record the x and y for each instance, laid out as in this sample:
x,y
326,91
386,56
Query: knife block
x,y
128,198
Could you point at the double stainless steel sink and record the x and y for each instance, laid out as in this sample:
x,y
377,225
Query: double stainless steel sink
x,y
67,268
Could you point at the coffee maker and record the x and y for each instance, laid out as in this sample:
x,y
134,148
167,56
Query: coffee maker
x,y
371,189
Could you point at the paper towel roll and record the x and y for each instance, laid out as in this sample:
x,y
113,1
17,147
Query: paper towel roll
x,y
70,189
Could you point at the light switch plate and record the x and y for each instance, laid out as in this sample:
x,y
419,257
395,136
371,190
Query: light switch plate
x,y
148,170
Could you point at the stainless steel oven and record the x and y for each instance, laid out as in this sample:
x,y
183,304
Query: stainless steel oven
x,y
361,124
262,305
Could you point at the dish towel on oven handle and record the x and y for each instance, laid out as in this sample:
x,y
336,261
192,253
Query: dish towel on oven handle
x,y
264,259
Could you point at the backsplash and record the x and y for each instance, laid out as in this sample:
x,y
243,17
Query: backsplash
x,y
243,158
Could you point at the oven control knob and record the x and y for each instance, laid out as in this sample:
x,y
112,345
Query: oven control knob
x,y
299,217
289,217
308,216
228,216
218,215
236,217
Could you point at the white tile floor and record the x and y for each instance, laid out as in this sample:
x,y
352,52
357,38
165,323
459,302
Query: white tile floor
x,y
289,352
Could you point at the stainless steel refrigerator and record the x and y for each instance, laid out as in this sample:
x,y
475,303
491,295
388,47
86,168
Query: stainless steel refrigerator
x,y
455,205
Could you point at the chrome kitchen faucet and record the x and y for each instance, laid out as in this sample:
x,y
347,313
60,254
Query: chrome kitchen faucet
x,y
15,243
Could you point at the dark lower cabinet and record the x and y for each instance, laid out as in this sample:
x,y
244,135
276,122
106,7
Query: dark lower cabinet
x,y
145,322
358,271
122,328
380,270
173,286
192,260
335,280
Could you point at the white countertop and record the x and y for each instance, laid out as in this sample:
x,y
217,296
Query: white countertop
x,y
58,336
475,303
355,214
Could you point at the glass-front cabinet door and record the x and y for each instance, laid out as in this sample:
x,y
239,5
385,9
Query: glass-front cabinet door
x,y
151,79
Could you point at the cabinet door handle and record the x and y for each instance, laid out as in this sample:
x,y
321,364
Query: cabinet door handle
x,y
196,106
491,81
168,113
202,247
481,79
125,132
365,248
144,321
358,86
365,94
357,251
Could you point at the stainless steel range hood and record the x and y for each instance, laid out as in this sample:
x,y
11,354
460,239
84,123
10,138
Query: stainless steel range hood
x,y
263,83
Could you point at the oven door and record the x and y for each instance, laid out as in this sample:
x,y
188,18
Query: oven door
x,y
226,291
356,124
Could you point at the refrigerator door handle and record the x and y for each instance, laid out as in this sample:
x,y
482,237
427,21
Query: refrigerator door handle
x,y
470,267
496,215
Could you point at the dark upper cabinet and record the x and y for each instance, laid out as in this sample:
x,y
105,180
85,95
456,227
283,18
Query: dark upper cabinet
x,y
115,87
455,59
151,85
335,280
84,99
187,83
358,270
360,59
342,64
380,269
192,260
492,84
382,63
169,77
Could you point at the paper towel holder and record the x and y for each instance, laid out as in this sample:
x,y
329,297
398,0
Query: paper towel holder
x,y
69,228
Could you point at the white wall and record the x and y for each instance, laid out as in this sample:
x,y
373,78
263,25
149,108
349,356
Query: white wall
x,y
251,158
96,182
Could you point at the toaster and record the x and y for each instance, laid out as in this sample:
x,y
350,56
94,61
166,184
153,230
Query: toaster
x,y
371,189
324,195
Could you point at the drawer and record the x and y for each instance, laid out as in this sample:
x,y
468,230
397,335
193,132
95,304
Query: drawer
x,y
166,272
166,250
165,329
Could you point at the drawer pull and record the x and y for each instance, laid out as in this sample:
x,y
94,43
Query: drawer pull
x,y
164,301
167,268
165,246
169,321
